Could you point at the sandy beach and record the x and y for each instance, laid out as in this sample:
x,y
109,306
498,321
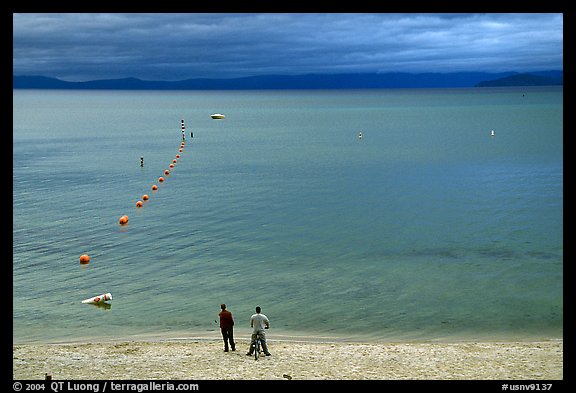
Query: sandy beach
x,y
204,359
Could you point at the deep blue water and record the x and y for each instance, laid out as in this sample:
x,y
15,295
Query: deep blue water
x,y
427,228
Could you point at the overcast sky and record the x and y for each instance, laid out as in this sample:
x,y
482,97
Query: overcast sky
x,y
79,47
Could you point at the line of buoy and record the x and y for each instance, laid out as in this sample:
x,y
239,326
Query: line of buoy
x,y
123,220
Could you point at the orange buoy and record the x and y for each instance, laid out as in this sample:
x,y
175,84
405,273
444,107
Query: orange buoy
x,y
123,220
84,259
174,161
145,197
167,172
160,179
180,150
139,204
171,165
154,187
177,155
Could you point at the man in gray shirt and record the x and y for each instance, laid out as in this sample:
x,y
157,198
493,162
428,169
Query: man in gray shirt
x,y
259,322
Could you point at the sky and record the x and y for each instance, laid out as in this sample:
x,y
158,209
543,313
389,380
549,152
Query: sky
x,y
177,46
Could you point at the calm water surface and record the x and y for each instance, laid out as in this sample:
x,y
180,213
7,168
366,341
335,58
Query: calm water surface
x,y
427,228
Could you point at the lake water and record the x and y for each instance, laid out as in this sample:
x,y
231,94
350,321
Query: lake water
x,y
427,228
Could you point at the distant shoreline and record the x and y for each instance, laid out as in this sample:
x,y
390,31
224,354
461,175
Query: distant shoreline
x,y
389,80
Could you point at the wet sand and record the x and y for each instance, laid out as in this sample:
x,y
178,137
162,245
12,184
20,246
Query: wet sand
x,y
199,359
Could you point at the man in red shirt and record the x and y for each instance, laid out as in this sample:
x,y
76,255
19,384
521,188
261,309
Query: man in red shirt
x,y
226,326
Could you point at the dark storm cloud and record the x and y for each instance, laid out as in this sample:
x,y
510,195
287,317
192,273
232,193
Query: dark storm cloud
x,y
180,46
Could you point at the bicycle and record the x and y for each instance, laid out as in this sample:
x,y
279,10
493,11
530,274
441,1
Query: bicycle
x,y
256,346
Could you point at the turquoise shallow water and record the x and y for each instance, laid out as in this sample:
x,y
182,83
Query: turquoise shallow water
x,y
425,229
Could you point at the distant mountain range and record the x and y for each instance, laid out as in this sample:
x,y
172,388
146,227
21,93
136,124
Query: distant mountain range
x,y
525,80
309,81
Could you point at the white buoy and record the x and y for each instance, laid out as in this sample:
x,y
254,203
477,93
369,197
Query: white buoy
x,y
360,135
492,133
98,299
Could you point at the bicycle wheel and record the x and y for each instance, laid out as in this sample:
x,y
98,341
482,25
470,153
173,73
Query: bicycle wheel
x,y
257,349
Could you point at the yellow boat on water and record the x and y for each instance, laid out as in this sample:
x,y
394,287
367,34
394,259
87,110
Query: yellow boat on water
x,y
217,116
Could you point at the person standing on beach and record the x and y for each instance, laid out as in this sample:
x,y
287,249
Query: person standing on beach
x,y
259,322
227,327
